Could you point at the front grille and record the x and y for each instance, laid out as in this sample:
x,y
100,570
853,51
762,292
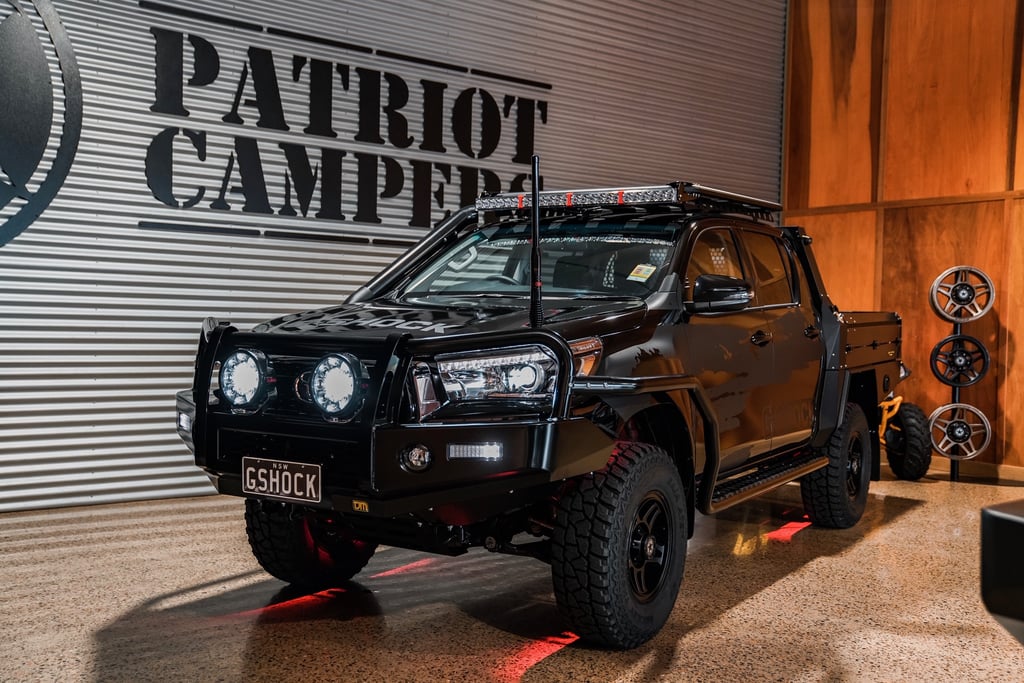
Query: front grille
x,y
293,358
292,398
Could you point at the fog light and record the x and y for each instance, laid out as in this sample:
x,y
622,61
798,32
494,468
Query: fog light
x,y
415,458
474,451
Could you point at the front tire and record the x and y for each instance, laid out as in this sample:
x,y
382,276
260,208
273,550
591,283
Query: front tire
x,y
908,445
836,495
619,547
299,547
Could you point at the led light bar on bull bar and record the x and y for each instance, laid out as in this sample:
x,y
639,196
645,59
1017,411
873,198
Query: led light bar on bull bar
x,y
675,193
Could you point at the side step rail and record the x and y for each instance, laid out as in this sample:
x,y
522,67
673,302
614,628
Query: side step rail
x,y
716,495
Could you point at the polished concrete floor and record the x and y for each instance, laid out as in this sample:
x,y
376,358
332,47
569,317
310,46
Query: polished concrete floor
x,y
168,591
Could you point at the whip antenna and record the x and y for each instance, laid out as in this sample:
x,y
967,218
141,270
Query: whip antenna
x,y
536,305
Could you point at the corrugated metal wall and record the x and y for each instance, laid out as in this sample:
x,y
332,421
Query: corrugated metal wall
x,y
101,296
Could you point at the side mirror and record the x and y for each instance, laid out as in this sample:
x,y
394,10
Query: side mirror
x,y
719,293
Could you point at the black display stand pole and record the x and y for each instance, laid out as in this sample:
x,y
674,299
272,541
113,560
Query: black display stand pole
x,y
954,464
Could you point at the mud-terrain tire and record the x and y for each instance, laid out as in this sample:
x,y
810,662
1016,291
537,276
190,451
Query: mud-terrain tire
x,y
296,546
836,495
619,547
908,445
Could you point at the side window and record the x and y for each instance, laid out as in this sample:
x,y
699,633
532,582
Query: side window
x,y
714,253
771,269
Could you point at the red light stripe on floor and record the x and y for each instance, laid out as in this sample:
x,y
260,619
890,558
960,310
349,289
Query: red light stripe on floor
x,y
411,567
296,606
785,533
515,666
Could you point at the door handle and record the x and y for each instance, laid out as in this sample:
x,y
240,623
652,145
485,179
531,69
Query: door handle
x,y
760,338
812,332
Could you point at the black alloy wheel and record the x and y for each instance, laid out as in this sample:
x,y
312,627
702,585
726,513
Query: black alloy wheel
x,y
854,462
650,546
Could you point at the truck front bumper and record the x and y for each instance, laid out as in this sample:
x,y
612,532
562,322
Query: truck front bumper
x,y
468,463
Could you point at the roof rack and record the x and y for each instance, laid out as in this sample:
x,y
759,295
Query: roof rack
x,y
672,193
730,201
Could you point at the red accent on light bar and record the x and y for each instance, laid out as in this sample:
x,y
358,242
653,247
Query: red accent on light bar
x,y
568,198
520,200
621,197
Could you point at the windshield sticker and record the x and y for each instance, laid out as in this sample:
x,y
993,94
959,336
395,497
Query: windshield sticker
x,y
642,272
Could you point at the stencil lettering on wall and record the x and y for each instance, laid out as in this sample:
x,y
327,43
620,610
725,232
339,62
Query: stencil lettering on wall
x,y
344,136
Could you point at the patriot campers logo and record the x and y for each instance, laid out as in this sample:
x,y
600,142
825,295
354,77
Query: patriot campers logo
x,y
352,136
39,83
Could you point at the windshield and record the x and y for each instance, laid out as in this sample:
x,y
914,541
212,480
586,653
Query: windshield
x,y
612,256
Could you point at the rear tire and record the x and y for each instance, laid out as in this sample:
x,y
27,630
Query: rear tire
x,y
836,495
619,547
908,445
299,547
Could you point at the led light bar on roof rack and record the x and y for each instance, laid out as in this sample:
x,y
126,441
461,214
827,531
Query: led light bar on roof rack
x,y
675,193
653,194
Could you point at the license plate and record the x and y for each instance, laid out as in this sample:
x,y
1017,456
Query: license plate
x,y
294,481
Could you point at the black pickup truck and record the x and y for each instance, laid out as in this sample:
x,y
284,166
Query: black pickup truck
x,y
682,355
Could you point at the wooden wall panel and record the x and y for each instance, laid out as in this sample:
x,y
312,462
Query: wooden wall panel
x,y
892,207
948,94
845,246
919,243
833,101
1017,140
1010,420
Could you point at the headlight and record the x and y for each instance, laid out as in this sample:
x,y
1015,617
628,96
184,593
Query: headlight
x,y
514,372
241,376
336,384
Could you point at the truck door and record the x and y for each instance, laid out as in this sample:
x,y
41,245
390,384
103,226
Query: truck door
x,y
729,353
796,346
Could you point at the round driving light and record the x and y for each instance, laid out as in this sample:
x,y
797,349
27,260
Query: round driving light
x,y
334,384
240,378
415,458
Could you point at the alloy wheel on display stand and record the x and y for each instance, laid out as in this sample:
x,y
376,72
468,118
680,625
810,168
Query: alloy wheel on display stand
x,y
960,431
959,360
962,294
